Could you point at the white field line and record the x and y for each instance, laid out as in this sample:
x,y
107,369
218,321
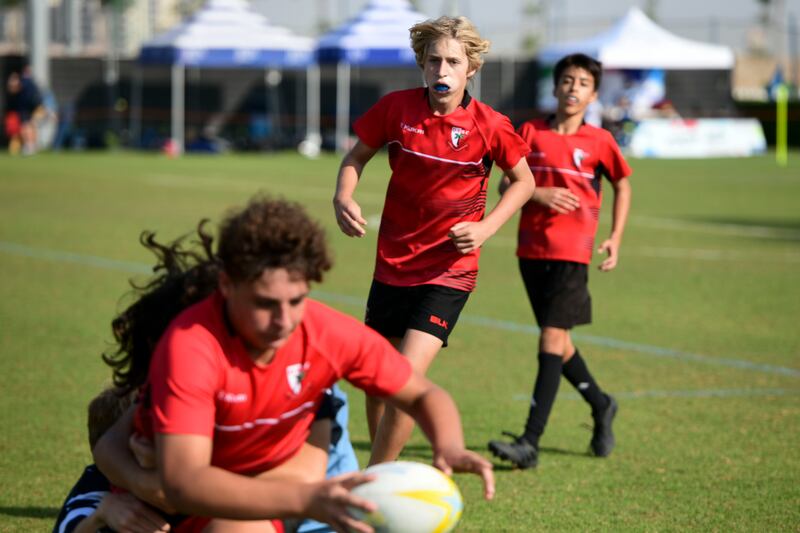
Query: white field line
x,y
694,393
491,323
693,254
735,230
177,181
218,182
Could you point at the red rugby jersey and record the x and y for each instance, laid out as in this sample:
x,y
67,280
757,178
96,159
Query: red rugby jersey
x,y
578,163
203,382
440,169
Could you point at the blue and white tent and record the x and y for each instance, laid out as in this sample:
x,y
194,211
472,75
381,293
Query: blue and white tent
x,y
377,37
223,34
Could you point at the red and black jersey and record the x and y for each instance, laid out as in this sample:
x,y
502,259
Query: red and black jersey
x,y
440,170
577,162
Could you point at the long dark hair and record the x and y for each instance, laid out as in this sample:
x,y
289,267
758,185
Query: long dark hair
x,y
267,233
186,271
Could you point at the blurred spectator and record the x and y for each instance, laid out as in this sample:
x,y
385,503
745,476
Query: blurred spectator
x,y
774,82
665,109
12,122
207,142
45,121
29,101
594,114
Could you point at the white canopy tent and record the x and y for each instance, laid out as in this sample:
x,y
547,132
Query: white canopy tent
x,y
378,36
636,42
227,34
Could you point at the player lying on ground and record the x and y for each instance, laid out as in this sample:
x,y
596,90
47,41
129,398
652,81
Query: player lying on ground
x,y
90,505
235,382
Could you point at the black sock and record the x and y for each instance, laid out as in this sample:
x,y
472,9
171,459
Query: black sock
x,y
544,395
578,375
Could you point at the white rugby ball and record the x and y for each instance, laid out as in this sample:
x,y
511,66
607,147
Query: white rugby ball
x,y
411,498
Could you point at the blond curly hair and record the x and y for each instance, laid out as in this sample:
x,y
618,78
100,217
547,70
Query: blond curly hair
x,y
461,29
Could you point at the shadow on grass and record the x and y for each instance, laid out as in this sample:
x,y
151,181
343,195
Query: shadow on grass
x,y
412,451
30,512
781,229
561,451
505,466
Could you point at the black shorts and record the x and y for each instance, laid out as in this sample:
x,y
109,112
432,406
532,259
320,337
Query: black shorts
x,y
433,309
558,291
327,407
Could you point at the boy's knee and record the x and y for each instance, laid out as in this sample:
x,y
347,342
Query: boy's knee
x,y
554,340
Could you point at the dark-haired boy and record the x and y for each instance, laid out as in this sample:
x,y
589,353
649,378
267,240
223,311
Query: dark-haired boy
x,y
555,243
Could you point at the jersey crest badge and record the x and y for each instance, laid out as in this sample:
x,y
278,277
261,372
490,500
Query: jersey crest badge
x,y
295,375
578,156
457,135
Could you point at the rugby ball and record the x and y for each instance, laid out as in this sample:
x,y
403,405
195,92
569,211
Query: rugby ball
x,y
411,498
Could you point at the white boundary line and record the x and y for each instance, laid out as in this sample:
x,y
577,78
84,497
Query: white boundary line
x,y
702,393
505,325
736,230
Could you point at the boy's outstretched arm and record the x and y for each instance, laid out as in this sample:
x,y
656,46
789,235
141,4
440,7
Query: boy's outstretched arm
x,y
622,204
469,236
436,413
348,212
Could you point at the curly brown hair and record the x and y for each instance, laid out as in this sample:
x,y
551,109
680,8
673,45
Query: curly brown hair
x,y
267,233
272,233
184,276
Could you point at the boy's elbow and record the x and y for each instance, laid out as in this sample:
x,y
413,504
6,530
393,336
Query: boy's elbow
x,y
178,492
531,184
528,185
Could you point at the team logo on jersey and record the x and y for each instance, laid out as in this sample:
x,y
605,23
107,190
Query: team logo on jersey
x,y
295,375
457,135
578,156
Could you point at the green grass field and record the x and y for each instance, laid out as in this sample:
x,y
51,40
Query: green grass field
x,y
696,333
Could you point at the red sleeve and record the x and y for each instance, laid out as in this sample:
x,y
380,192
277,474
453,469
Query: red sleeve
x,y
613,161
527,131
371,126
507,147
360,355
376,367
183,382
